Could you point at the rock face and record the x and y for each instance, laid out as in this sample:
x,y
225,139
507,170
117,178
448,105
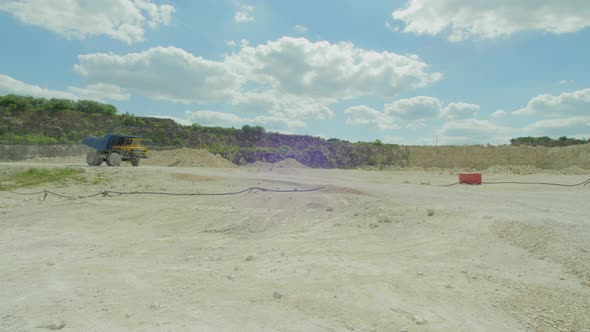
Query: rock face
x,y
483,157
24,152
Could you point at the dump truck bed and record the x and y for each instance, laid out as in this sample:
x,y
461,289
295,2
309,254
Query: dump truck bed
x,y
107,142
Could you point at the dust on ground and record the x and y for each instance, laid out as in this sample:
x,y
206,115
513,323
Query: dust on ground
x,y
285,163
374,251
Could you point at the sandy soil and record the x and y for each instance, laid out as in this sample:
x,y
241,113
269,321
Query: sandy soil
x,y
360,255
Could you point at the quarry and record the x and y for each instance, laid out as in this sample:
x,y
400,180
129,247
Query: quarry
x,y
363,250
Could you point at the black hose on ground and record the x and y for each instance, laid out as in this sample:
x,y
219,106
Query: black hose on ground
x,y
583,183
108,192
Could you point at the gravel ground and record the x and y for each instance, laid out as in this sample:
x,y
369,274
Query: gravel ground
x,y
372,251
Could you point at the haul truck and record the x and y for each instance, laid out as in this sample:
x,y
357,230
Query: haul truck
x,y
115,148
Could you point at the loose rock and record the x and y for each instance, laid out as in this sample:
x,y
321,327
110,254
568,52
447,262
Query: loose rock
x,y
419,320
277,295
55,325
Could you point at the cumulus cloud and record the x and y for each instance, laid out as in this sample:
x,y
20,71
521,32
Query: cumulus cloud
x,y
412,112
416,108
162,73
244,14
499,114
100,92
573,103
473,131
460,110
124,20
324,70
577,126
363,115
10,85
465,19
289,77
214,118
300,29
274,103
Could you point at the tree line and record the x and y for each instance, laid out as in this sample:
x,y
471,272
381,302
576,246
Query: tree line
x,y
547,141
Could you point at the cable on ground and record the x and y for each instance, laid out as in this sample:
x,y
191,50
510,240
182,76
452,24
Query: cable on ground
x,y
583,183
106,193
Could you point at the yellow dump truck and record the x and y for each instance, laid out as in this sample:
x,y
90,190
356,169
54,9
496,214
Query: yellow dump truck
x,y
115,148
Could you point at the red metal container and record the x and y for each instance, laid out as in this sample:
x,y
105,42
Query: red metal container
x,y
474,178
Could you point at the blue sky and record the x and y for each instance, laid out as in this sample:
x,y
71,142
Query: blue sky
x,y
407,71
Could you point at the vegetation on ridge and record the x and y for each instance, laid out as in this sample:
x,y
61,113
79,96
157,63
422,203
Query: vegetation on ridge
x,y
38,121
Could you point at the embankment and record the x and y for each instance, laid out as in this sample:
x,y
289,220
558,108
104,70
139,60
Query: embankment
x,y
482,157
477,157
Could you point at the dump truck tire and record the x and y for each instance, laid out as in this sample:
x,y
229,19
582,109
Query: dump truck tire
x,y
135,161
92,159
114,159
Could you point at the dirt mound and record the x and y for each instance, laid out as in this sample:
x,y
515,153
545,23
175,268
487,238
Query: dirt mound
x,y
575,170
289,163
186,158
286,163
513,169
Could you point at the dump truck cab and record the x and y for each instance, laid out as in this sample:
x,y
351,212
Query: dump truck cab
x,y
115,148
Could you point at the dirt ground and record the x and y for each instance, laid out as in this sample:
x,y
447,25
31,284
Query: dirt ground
x,y
362,254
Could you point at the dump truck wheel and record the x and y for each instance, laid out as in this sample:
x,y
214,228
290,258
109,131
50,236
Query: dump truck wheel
x,y
114,159
135,161
92,158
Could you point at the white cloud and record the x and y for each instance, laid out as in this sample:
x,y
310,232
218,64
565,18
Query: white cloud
x,y
123,20
499,114
366,116
563,82
9,85
483,19
330,71
391,27
214,118
256,102
289,77
568,103
100,92
273,103
460,110
231,43
162,73
300,29
472,131
244,14
578,126
412,112
416,108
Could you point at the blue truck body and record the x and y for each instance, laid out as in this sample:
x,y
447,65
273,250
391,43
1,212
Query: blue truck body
x,y
114,148
107,142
